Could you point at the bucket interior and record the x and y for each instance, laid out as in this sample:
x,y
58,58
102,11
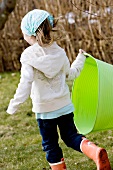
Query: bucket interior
x,y
85,97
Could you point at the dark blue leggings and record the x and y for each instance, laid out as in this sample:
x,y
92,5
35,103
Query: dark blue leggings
x,y
68,132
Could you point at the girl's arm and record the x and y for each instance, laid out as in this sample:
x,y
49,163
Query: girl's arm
x,y
24,88
76,67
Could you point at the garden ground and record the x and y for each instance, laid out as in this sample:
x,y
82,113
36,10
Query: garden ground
x,y
20,144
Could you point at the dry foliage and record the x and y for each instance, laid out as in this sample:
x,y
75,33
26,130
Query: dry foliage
x,y
82,24
6,7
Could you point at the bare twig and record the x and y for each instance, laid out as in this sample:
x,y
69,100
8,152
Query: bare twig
x,y
100,5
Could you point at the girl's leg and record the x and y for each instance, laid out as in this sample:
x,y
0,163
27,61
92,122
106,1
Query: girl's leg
x,y
68,132
48,131
80,143
54,155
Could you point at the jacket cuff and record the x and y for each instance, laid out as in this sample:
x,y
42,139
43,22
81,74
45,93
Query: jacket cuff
x,y
81,57
11,111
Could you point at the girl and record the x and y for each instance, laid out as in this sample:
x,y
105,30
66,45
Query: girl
x,y
45,69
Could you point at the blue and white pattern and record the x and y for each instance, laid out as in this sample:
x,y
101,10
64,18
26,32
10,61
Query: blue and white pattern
x,y
33,19
51,19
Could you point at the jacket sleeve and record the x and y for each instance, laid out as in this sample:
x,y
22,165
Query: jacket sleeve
x,y
76,67
74,71
24,88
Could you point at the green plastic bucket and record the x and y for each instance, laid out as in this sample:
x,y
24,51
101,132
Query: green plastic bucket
x,y
92,96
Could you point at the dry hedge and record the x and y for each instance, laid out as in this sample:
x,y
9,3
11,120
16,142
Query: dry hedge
x,y
82,24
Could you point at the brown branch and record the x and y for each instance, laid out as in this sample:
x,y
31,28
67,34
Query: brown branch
x,y
91,31
6,7
100,5
92,14
83,10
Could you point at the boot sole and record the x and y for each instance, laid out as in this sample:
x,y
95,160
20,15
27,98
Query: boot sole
x,y
102,160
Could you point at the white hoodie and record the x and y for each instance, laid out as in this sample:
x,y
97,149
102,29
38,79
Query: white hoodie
x,y
43,76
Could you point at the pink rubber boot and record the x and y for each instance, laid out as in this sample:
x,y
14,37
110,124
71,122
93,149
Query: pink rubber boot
x,y
97,154
58,166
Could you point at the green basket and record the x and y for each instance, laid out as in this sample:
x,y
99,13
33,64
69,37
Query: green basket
x,y
92,96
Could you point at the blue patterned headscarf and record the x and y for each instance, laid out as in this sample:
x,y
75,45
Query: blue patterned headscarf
x,y
33,19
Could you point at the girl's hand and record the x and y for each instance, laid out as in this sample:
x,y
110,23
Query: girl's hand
x,y
81,51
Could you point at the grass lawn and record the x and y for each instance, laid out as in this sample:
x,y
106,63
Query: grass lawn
x,y
20,144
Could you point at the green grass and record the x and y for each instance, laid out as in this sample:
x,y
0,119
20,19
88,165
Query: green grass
x,y
20,144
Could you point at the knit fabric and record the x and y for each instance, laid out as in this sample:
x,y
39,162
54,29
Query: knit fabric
x,y
44,73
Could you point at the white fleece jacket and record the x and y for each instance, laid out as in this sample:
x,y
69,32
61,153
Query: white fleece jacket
x,y
44,73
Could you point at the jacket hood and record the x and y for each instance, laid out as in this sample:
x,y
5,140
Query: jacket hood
x,y
48,60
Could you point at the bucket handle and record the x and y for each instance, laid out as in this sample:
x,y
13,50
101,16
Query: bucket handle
x,y
87,55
